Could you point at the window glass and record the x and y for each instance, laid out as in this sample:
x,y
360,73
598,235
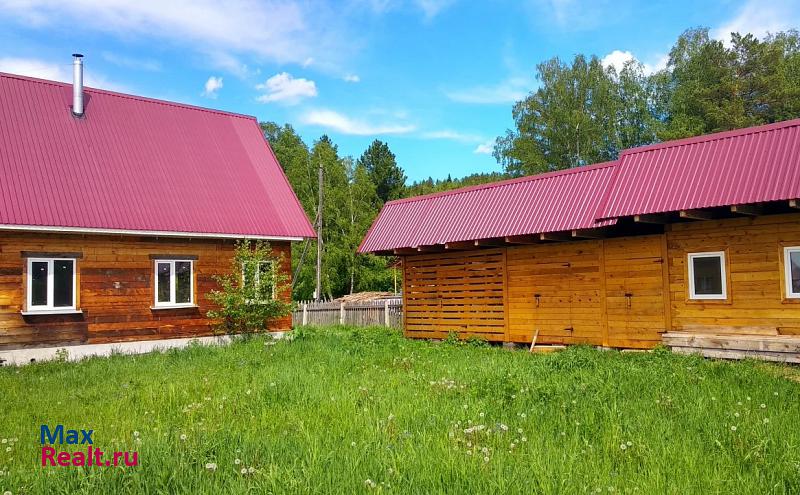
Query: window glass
x,y
39,283
265,279
794,271
163,274
707,275
183,282
62,283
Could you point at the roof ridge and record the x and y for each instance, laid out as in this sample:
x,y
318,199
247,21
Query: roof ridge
x,y
714,136
128,96
505,182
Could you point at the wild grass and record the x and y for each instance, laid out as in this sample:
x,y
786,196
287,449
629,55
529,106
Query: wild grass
x,y
341,410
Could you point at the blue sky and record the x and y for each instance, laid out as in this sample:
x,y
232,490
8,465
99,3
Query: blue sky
x,y
436,79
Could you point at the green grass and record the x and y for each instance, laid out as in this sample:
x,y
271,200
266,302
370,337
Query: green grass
x,y
337,407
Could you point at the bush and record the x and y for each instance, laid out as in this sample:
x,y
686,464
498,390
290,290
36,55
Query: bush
x,y
250,294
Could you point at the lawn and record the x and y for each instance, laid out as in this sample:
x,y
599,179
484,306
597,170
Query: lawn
x,y
341,410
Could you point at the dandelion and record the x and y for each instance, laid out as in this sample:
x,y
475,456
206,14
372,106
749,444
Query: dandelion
x,y
763,406
352,444
733,427
766,420
183,437
465,406
370,484
503,427
8,449
135,433
237,461
248,391
7,492
244,471
739,403
481,414
524,439
523,416
775,394
5,440
486,459
251,470
736,414
519,430
713,398
623,446
211,466
272,384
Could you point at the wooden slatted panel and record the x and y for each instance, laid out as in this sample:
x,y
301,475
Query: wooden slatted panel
x,y
115,289
634,291
567,278
459,292
754,249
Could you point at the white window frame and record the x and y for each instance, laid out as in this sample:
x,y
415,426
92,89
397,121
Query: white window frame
x,y
172,286
787,271
49,307
258,276
723,273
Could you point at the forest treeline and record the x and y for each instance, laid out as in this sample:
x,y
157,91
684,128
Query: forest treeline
x,y
581,113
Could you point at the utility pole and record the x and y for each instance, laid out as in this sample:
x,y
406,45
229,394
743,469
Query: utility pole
x,y
319,237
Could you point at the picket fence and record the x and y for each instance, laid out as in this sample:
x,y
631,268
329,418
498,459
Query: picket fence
x,y
382,312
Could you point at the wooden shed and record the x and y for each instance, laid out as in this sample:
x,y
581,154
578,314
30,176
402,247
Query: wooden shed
x,y
693,243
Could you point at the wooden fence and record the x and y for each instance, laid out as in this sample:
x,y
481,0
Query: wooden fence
x,y
382,312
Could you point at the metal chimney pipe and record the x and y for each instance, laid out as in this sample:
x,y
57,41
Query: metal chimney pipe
x,y
77,84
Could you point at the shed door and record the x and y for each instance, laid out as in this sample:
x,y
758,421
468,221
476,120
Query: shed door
x,y
634,291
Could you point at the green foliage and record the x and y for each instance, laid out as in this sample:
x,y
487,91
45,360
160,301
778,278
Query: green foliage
x,y
585,113
326,412
248,297
382,168
430,185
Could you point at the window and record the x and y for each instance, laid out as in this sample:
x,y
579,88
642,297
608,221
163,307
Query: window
x,y
791,263
264,274
707,276
51,284
174,283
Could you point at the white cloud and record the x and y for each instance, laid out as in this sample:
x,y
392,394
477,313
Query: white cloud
x,y
509,91
286,89
213,85
431,8
130,62
42,69
618,59
351,78
761,18
452,136
346,125
289,31
485,148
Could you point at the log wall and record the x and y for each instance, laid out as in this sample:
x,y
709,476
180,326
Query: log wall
x,y
754,251
115,289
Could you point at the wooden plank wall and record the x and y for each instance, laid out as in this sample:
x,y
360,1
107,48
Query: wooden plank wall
x,y
115,289
599,292
754,248
460,292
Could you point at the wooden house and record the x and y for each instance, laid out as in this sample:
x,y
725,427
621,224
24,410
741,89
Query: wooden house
x,y
116,212
694,243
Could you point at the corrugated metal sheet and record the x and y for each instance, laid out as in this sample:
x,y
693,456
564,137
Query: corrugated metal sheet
x,y
552,202
745,166
134,163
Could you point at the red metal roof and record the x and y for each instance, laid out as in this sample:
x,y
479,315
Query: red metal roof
x,y
750,165
528,205
137,164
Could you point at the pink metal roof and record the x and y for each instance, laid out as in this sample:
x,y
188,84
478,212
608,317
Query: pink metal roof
x,y
750,165
552,202
137,164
